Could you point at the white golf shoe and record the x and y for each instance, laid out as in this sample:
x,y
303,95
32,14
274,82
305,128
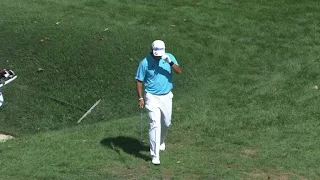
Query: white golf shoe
x,y
155,161
162,147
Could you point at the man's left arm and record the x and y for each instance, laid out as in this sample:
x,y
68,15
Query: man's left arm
x,y
176,68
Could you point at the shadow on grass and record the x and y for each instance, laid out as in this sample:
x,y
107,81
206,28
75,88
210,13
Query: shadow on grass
x,y
128,145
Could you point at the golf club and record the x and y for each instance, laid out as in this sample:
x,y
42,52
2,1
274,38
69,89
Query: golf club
x,y
141,140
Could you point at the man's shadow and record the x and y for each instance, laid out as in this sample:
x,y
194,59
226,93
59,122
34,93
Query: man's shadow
x,y
127,144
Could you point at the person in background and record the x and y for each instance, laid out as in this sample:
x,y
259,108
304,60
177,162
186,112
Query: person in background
x,y
4,74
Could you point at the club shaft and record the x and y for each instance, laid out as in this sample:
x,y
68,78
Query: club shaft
x,y
141,126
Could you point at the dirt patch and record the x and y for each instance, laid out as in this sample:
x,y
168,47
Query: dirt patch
x,y
249,152
129,174
4,138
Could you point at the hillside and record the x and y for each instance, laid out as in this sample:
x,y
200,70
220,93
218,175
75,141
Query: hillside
x,y
245,106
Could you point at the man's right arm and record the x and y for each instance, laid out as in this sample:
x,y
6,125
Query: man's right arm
x,y
139,87
140,76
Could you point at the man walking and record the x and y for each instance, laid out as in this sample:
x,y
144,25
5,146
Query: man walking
x,y
155,74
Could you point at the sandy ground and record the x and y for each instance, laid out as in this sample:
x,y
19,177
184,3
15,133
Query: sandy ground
x,y
4,138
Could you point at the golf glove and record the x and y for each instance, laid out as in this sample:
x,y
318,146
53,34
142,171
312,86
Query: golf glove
x,y
166,58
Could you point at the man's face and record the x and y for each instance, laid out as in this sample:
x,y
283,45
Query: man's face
x,y
155,57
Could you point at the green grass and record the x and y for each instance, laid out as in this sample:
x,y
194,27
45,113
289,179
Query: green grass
x,y
245,106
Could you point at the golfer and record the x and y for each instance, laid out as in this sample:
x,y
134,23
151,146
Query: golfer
x,y
155,74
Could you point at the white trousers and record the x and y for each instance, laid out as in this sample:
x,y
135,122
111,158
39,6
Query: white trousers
x,y
159,109
1,99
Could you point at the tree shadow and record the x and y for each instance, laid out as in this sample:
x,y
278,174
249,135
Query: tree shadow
x,y
127,144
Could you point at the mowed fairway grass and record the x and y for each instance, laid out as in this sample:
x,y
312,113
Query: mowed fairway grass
x,y
245,107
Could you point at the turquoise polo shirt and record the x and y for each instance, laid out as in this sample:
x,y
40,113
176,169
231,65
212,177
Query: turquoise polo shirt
x,y
156,74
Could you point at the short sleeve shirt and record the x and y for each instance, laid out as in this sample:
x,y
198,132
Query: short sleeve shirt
x,y
156,74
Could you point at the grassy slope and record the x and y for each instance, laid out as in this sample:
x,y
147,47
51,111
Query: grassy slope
x,y
245,105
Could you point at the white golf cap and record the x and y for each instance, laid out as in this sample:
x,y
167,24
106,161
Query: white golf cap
x,y
158,48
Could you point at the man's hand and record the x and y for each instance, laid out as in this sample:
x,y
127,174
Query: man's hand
x,y
166,58
141,103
